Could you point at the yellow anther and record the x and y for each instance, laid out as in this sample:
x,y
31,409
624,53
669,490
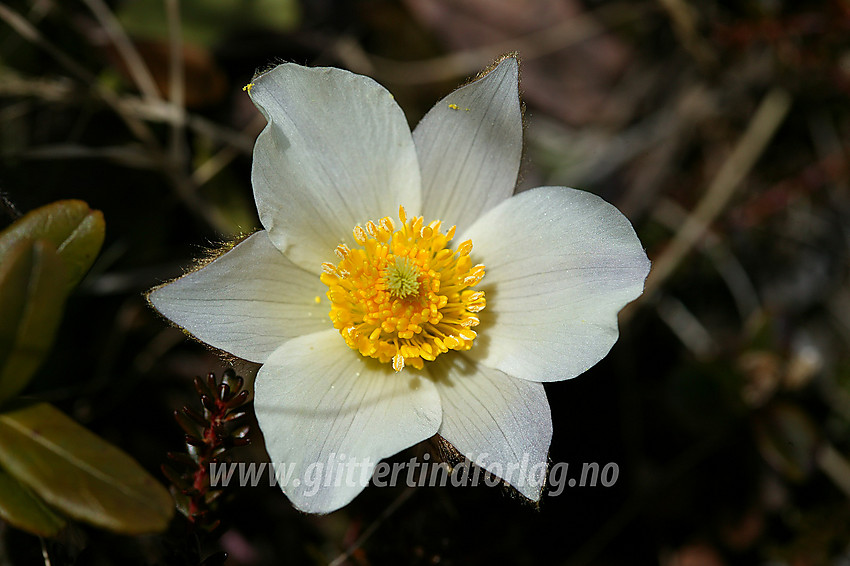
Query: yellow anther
x,y
360,235
467,334
341,251
464,248
398,362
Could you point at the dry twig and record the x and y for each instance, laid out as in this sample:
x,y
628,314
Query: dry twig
x,y
768,117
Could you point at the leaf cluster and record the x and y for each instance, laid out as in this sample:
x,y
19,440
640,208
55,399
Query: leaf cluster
x,y
210,435
51,467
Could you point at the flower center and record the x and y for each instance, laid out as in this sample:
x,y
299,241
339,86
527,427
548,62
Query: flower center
x,y
402,278
402,296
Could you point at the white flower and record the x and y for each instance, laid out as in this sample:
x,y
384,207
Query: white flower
x,y
331,170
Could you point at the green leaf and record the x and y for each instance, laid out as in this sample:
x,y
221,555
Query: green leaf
x,y
32,296
80,474
71,226
22,509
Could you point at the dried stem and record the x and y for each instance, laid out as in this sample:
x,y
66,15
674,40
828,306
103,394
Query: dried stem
x,y
764,124
168,164
30,33
135,64
684,19
176,86
370,530
468,62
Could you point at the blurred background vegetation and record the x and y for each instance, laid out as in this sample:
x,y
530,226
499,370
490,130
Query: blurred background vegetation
x,y
719,128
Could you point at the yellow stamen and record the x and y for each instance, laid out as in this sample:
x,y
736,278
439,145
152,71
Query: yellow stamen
x,y
403,297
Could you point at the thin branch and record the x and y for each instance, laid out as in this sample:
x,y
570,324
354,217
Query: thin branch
x,y
51,90
162,111
63,90
768,117
834,465
135,64
176,85
31,34
235,142
26,30
127,155
684,19
212,166
44,553
468,62
181,181
672,215
687,327
391,508
8,206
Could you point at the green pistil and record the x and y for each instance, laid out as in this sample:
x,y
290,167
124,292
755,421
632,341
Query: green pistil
x,y
402,278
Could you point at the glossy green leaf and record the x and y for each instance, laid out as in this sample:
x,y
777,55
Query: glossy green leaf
x,y
22,509
71,226
32,296
78,473
788,440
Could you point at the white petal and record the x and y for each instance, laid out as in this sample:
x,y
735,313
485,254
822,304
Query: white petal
x,y
337,152
501,423
247,302
469,148
560,264
318,401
